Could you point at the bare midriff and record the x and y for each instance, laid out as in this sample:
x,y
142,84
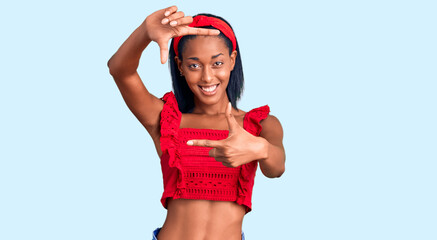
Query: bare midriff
x,y
202,220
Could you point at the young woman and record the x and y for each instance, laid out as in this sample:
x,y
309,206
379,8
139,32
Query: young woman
x,y
209,148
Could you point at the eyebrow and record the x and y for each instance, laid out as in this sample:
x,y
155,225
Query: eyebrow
x,y
197,59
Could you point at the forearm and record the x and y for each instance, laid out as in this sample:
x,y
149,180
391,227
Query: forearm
x,y
126,60
272,161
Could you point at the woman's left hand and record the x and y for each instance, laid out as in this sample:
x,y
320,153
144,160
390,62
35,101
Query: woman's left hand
x,y
239,148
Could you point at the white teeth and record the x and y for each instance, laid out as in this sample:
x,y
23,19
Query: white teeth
x,y
209,88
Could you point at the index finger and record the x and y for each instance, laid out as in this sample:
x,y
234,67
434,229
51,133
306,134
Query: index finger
x,y
204,143
170,10
199,31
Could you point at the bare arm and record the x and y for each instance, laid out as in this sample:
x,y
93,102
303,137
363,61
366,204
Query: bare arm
x,y
273,164
123,68
124,63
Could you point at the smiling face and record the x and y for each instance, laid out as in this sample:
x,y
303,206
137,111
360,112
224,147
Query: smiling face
x,y
207,66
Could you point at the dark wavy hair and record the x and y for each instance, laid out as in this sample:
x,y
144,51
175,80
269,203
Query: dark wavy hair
x,y
183,93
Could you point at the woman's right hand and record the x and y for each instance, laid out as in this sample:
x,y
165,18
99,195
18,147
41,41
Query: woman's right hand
x,y
167,23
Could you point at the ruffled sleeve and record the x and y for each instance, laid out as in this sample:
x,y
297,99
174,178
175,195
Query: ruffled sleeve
x,y
253,118
170,120
170,159
252,124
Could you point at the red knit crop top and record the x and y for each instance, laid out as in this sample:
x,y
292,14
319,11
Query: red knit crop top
x,y
190,173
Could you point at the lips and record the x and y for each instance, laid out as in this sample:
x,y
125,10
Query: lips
x,y
209,89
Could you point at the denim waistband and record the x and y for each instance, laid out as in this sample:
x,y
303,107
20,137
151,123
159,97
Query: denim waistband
x,y
155,234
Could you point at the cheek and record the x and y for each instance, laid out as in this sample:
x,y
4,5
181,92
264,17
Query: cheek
x,y
192,85
191,77
192,82
223,74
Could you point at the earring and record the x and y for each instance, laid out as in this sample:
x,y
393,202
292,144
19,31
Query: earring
x,y
180,73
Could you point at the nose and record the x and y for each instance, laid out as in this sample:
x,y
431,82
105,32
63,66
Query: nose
x,y
207,74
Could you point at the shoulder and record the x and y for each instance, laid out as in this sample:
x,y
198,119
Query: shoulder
x,y
270,120
169,97
271,128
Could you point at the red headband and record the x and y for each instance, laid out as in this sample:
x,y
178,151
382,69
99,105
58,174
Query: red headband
x,y
203,21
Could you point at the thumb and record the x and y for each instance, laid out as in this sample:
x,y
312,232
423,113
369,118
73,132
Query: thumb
x,y
232,122
163,46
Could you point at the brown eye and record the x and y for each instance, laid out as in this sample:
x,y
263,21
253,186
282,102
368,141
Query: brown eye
x,y
194,65
218,63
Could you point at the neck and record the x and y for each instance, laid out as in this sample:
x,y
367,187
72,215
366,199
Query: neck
x,y
211,109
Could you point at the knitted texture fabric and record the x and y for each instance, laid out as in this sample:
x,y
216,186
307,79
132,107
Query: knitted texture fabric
x,y
190,173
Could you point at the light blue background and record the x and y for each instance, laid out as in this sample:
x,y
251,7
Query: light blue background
x,y
353,83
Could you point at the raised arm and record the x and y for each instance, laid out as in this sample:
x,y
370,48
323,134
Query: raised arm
x,y
160,27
